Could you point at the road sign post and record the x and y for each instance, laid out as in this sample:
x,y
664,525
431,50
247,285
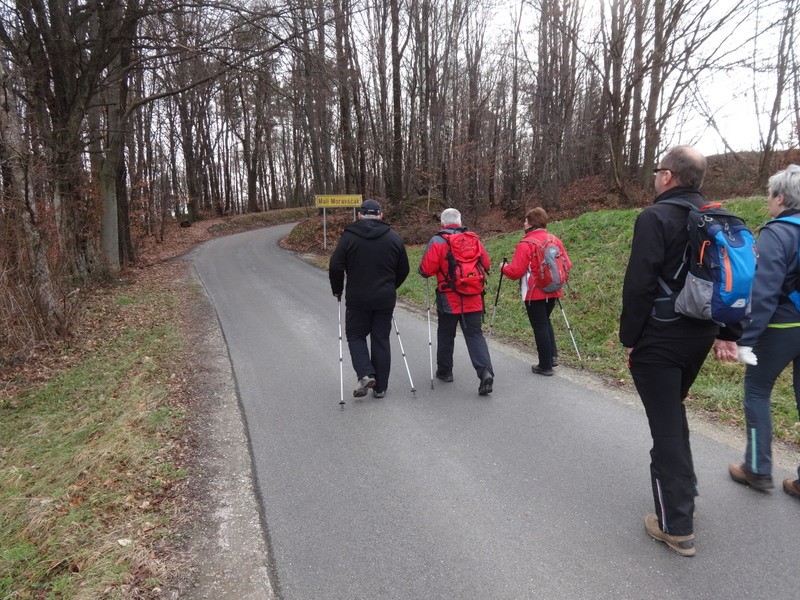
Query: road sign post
x,y
335,201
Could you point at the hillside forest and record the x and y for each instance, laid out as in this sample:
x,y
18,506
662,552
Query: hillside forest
x,y
120,117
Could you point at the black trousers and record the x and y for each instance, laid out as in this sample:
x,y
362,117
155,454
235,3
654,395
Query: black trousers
x,y
539,316
473,336
663,370
377,360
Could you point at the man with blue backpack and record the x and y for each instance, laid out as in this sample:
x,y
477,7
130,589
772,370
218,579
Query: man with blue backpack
x,y
666,348
771,338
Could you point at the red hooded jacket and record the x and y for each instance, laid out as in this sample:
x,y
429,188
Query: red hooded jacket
x,y
521,266
434,262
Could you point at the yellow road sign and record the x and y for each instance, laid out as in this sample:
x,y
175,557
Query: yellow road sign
x,y
338,200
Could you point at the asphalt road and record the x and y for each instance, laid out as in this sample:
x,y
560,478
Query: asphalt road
x,y
537,491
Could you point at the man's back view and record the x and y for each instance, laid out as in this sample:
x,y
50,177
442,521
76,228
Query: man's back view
x,y
374,259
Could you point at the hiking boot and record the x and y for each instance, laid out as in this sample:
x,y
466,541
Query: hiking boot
x,y
445,375
741,474
682,544
487,380
378,393
792,487
540,371
362,385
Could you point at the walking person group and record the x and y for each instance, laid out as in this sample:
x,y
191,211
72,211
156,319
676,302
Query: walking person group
x,y
666,349
665,344
372,260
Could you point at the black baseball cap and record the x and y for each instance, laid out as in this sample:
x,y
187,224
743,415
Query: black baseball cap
x,y
370,207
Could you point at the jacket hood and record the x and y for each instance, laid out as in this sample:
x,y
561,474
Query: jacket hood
x,y
370,229
454,229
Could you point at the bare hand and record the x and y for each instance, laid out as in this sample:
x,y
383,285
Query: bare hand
x,y
725,351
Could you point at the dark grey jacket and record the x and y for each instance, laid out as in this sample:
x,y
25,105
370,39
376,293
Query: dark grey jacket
x,y
776,277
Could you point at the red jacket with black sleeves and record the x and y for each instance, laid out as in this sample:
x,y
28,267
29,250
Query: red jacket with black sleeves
x,y
434,262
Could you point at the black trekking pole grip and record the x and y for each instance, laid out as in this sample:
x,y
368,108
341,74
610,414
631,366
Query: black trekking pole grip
x,y
500,281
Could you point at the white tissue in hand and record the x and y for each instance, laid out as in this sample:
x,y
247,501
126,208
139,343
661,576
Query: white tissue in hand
x,y
746,355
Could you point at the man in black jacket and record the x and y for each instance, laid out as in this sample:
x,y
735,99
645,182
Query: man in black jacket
x,y
375,261
666,350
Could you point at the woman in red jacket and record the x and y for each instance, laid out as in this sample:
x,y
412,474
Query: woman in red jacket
x,y
538,303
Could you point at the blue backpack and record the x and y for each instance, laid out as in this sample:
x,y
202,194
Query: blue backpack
x,y
720,260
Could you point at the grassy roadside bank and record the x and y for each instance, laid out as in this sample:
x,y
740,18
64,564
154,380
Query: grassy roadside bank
x,y
90,462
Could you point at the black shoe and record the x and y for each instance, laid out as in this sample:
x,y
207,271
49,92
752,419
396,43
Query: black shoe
x,y
376,393
445,375
555,361
487,380
540,371
741,474
362,385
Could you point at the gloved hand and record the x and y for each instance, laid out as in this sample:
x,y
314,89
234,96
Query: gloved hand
x,y
746,355
338,296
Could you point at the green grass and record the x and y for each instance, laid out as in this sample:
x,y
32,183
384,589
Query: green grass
x,y
599,244
83,457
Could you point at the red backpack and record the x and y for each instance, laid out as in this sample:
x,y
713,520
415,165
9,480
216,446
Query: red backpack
x,y
465,274
552,273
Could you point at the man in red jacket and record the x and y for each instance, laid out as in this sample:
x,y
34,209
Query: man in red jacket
x,y
454,307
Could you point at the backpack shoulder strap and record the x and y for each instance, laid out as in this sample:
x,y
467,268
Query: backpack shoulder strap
x,y
794,219
682,202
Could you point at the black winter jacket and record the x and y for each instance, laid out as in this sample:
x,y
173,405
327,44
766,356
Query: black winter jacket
x,y
659,241
375,261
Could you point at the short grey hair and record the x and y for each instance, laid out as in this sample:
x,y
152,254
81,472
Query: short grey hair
x,y
450,216
687,166
786,182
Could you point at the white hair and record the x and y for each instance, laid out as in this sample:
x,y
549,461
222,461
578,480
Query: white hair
x,y
450,216
786,182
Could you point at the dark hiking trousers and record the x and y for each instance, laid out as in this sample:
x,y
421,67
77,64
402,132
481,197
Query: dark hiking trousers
x,y
473,336
775,349
539,316
377,324
663,370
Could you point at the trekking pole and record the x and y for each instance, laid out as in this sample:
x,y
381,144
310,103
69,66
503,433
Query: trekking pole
x,y
403,352
496,298
430,342
570,331
341,373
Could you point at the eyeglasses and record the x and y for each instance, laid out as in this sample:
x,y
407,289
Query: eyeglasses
x,y
657,171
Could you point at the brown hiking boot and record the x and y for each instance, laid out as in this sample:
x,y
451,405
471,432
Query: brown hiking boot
x,y
741,474
792,487
682,544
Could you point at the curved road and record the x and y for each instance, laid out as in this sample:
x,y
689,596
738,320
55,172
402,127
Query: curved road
x,y
537,491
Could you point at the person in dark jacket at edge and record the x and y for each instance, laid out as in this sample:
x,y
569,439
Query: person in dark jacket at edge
x,y
666,350
453,309
771,338
375,261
